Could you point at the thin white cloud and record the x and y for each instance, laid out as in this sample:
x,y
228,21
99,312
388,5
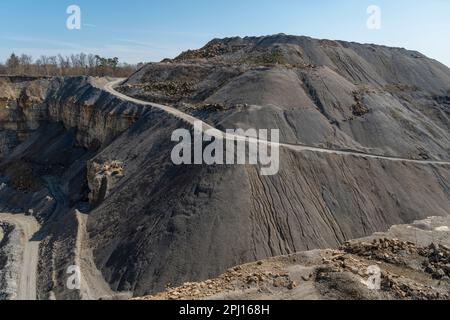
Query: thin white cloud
x,y
141,44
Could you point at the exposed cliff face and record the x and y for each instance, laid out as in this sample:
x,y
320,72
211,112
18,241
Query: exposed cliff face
x,y
51,128
10,258
97,116
21,110
27,104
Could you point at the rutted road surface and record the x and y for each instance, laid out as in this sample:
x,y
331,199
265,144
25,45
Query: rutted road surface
x,y
109,87
29,226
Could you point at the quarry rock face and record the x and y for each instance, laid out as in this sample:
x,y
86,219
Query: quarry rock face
x,y
21,110
152,223
26,104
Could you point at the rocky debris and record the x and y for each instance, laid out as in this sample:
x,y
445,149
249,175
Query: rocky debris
x,y
347,273
387,250
10,261
317,200
21,175
172,83
359,109
211,50
269,58
313,90
220,51
394,251
238,278
438,261
443,99
102,177
178,89
212,107
400,87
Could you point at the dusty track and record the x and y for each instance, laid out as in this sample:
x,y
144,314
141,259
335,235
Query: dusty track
x,y
93,284
109,87
27,281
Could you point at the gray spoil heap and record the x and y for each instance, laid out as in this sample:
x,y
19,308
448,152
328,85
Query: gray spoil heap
x,y
152,223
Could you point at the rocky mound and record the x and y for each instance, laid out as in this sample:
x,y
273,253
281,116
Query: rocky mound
x,y
53,127
404,269
317,92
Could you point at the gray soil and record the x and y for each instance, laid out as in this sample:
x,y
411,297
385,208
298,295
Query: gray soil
x,y
72,145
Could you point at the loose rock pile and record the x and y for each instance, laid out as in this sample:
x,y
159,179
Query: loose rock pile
x,y
209,51
438,261
402,288
102,177
238,278
387,250
339,274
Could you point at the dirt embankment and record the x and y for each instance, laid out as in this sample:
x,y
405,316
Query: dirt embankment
x,y
92,285
20,254
10,260
378,267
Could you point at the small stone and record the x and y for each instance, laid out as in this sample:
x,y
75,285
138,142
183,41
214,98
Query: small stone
x,y
292,285
306,278
440,273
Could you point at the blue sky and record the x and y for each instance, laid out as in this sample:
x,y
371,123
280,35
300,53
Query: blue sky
x,y
138,30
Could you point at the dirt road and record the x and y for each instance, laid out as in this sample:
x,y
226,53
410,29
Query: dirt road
x,y
29,226
109,87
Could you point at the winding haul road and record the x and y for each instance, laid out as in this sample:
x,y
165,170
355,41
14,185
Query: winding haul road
x,y
109,87
29,226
